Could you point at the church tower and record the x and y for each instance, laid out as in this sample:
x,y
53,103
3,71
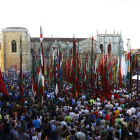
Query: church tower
x,y
10,48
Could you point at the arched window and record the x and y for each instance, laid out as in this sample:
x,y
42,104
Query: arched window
x,y
14,46
109,49
32,50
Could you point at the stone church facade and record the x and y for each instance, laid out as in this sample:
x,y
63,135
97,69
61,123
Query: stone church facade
x,y
10,46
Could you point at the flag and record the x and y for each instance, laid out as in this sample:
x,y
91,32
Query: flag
x,y
137,78
33,91
2,86
92,65
69,68
60,72
41,73
56,90
95,60
21,76
51,65
41,35
123,66
74,66
120,75
127,78
36,70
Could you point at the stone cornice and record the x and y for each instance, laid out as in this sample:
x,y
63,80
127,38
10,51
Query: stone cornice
x,y
14,30
109,35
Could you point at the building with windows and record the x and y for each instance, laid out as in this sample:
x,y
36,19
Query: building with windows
x,y
10,46
110,43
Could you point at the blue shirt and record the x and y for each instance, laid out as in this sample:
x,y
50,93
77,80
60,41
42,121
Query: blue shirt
x,y
98,120
36,124
92,117
119,133
54,127
94,124
73,102
103,111
45,93
127,118
31,109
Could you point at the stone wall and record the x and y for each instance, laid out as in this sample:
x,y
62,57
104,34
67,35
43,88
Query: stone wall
x,y
1,53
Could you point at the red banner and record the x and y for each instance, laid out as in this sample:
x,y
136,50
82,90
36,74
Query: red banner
x,y
15,66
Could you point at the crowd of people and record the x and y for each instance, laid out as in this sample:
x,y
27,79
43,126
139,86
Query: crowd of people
x,y
96,116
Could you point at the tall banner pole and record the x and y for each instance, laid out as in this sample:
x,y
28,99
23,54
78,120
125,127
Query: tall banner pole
x,y
138,75
91,66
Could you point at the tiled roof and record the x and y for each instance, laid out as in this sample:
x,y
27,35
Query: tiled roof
x,y
58,39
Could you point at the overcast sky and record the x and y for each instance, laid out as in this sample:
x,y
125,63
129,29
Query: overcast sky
x,y
63,18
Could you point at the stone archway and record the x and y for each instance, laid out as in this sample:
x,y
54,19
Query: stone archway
x,y
101,47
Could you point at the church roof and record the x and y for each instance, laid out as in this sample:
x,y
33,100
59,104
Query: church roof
x,y
33,39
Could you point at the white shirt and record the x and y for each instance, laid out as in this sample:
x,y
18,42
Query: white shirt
x,y
77,116
98,104
72,114
129,96
110,106
48,96
52,96
10,94
129,112
63,123
81,136
83,97
126,96
79,103
34,138
133,110
85,102
112,97
119,109
80,112
100,112
61,99
82,123
39,136
64,86
116,104
107,106
86,112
